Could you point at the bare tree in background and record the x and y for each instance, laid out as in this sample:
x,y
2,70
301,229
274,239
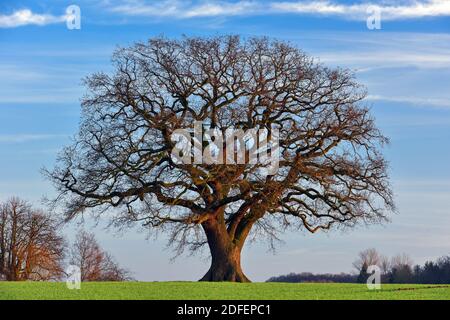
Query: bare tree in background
x,y
367,258
401,260
331,171
402,269
385,265
95,264
30,247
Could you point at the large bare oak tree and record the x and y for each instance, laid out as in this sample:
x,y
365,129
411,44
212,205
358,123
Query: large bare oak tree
x,y
331,170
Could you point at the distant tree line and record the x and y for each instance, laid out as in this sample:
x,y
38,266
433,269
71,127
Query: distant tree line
x,y
33,248
310,277
398,269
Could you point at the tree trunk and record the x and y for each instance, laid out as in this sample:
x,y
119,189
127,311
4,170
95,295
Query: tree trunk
x,y
225,255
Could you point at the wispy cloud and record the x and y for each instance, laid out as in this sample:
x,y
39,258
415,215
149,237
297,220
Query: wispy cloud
x,y
356,11
388,58
27,17
408,10
187,9
418,101
177,9
21,138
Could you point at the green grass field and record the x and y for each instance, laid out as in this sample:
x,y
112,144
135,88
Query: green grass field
x,y
195,290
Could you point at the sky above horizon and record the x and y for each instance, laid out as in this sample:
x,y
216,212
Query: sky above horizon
x,y
405,66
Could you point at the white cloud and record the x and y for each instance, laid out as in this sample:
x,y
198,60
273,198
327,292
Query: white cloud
x,y
21,138
186,9
192,9
366,61
178,9
417,9
418,101
411,9
27,17
210,9
317,7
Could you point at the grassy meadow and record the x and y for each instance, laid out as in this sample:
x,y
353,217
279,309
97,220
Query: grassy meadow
x,y
217,291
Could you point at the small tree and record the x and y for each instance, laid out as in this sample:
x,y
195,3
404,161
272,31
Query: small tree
x,y
95,264
367,258
363,275
30,246
331,172
401,269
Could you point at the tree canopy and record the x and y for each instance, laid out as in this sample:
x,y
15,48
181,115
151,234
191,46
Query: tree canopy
x,y
331,169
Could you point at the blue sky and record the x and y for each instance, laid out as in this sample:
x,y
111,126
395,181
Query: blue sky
x,y
405,67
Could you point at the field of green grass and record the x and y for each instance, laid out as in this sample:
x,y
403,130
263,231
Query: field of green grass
x,y
195,290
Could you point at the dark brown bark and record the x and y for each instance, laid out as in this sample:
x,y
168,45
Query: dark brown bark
x,y
225,254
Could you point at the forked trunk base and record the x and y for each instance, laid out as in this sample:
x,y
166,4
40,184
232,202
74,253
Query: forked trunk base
x,y
225,273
